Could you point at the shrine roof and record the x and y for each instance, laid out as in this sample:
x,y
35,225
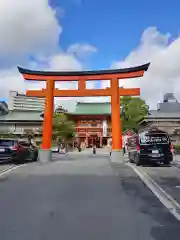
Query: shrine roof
x,y
143,67
21,116
84,108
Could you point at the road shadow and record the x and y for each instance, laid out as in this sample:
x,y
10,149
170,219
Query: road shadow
x,y
5,163
156,165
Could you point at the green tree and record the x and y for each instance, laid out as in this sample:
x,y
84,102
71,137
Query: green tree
x,y
63,129
134,109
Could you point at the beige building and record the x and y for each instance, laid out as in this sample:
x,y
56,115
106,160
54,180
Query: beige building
x,y
22,102
166,117
21,115
20,122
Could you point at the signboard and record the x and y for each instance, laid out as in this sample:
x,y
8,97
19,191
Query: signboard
x,y
105,126
156,139
97,130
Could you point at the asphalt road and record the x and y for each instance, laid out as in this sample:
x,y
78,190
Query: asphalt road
x,y
81,197
167,177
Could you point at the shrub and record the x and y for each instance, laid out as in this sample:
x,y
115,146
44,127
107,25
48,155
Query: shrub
x,y
176,147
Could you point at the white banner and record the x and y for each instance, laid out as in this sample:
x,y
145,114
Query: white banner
x,y
105,128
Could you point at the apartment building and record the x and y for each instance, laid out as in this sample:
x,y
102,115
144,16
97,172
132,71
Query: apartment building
x,y
22,102
22,114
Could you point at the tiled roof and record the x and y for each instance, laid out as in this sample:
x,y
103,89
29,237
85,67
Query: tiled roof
x,y
161,114
143,67
19,116
169,107
85,108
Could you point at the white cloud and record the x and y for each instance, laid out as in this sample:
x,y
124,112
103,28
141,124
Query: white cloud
x,y
164,72
81,50
64,62
31,28
27,27
12,80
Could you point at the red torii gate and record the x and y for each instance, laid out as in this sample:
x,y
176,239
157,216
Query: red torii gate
x,y
82,76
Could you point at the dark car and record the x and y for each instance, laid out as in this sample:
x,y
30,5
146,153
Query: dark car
x,y
150,147
17,151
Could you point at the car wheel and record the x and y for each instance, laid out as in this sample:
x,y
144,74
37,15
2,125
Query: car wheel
x,y
137,160
18,161
35,156
167,162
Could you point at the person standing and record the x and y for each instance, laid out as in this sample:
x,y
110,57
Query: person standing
x,y
31,141
109,145
79,147
94,149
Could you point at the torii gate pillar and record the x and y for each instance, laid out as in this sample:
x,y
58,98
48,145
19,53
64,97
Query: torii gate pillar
x,y
114,92
45,153
115,120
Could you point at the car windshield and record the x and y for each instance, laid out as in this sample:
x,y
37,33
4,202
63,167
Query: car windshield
x,y
6,143
154,139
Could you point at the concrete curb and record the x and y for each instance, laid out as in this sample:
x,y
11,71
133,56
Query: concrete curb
x,y
171,204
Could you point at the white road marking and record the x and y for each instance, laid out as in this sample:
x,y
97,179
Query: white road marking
x,y
5,171
170,203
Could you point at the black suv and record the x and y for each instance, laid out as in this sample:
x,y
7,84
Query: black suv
x,y
17,151
150,147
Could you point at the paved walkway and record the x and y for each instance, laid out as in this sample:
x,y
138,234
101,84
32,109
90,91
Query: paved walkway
x,y
86,199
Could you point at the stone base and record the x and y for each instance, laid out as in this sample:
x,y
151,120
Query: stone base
x,y
45,156
116,156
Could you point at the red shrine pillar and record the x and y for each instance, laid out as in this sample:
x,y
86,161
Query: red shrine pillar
x,y
45,154
115,120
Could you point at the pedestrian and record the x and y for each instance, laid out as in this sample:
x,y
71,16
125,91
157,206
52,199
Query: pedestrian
x,y
79,147
31,141
109,146
123,150
61,147
94,150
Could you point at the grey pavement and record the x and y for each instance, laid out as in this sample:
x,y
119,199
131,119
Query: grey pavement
x,y
168,178
79,155
81,197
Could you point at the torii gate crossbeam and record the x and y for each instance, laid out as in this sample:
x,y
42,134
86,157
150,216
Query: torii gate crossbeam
x,y
115,92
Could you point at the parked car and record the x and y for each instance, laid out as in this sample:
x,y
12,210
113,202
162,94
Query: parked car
x,y
54,149
150,147
17,151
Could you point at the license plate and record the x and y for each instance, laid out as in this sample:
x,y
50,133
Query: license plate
x,y
155,151
2,150
156,155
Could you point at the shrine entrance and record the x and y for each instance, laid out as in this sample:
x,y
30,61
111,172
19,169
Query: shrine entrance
x,y
93,140
115,92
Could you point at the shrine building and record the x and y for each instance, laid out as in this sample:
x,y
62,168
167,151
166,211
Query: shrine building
x,y
92,123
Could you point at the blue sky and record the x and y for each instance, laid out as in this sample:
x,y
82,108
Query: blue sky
x,y
114,27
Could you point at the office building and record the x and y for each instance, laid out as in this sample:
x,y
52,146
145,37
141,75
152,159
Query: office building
x,y
22,102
